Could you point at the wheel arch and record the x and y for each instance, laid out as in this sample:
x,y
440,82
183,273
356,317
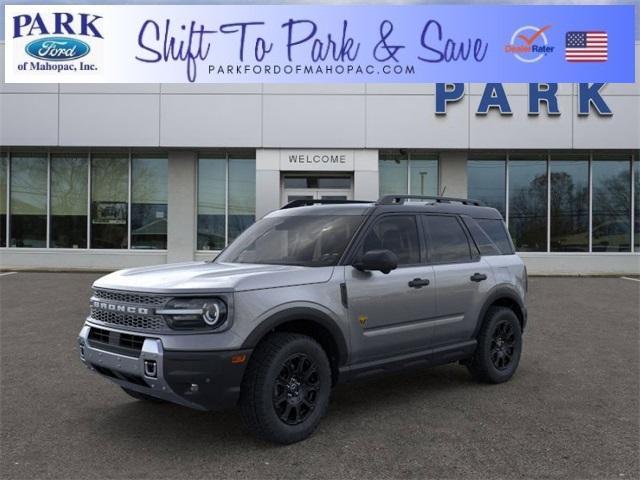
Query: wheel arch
x,y
503,297
308,321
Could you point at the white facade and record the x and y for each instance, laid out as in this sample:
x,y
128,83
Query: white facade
x,y
352,121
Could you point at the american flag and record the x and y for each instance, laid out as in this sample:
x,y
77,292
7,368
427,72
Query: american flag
x,y
586,47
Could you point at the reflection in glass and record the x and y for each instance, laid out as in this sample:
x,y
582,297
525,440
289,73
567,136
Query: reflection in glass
x,y
487,182
569,204
3,200
149,195
28,201
528,203
242,195
212,174
68,201
611,230
109,197
423,172
393,174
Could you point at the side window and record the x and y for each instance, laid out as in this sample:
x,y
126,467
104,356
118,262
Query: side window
x,y
446,240
397,233
480,237
497,232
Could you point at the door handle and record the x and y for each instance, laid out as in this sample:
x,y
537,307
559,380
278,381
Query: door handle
x,y
419,282
478,277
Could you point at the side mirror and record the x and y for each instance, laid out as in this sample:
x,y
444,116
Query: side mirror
x,y
382,260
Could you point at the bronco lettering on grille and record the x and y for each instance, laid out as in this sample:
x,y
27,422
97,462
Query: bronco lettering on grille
x,y
121,308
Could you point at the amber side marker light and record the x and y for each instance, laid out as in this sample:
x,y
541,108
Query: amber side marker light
x,y
239,358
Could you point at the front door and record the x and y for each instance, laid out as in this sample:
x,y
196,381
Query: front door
x,y
392,312
311,187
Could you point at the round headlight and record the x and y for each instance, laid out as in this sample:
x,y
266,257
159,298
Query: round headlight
x,y
213,313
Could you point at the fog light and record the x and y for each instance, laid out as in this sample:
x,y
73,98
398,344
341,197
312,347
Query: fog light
x,y
150,368
81,352
194,388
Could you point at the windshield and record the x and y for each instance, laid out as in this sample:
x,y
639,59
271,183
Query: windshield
x,y
305,240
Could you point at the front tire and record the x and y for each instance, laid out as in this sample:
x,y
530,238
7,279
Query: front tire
x,y
285,390
499,347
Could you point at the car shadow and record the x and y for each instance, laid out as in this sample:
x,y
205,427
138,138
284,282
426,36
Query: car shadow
x,y
170,425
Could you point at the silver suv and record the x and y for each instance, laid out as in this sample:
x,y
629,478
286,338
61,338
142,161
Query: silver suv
x,y
311,295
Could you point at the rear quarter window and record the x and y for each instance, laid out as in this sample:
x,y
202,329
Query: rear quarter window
x,y
497,232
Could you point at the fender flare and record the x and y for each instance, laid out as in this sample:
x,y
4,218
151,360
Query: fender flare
x,y
301,313
498,293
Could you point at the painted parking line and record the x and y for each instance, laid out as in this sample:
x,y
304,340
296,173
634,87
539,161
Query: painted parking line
x,y
6,273
632,279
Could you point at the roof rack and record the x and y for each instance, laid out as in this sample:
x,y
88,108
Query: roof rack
x,y
400,199
302,202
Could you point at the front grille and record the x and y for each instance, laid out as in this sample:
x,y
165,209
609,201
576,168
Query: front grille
x,y
130,298
137,322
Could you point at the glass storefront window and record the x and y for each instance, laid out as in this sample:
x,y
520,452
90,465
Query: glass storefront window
x,y
528,202
611,184
242,196
4,162
149,196
486,177
569,219
212,174
393,173
423,175
225,211
69,180
28,222
415,172
109,197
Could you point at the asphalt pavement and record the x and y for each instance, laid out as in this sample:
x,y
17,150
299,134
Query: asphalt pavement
x,y
571,411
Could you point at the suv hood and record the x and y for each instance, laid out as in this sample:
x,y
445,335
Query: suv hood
x,y
194,277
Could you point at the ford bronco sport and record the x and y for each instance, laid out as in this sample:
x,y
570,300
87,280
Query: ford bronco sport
x,y
312,294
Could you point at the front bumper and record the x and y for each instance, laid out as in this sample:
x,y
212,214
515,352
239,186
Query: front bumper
x,y
203,380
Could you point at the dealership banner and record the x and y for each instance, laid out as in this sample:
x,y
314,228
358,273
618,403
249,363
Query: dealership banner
x,y
327,44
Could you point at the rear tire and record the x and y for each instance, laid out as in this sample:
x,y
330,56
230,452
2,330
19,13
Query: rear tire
x,y
142,396
285,390
499,347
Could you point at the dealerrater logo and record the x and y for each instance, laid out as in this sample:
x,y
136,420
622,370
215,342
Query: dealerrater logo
x,y
56,38
529,44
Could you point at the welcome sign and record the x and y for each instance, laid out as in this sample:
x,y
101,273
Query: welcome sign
x,y
327,44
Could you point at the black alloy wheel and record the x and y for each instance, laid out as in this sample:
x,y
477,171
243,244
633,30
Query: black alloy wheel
x,y
503,342
296,389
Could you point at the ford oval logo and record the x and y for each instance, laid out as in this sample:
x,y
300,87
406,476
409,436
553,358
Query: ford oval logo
x,y
57,49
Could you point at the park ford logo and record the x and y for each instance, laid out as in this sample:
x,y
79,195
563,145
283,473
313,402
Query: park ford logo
x,y
57,49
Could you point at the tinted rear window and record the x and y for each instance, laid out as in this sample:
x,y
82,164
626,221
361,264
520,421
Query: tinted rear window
x,y
446,240
497,232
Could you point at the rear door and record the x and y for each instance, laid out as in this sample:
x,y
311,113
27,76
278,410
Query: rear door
x,y
462,277
391,314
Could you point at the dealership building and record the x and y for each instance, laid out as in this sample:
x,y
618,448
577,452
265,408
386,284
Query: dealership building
x,y
106,176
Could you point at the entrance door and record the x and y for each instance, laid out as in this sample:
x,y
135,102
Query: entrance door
x,y
316,188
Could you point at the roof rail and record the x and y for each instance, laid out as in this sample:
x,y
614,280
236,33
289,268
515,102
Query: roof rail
x,y
302,202
400,199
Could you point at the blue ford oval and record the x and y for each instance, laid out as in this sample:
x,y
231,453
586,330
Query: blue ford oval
x,y
57,49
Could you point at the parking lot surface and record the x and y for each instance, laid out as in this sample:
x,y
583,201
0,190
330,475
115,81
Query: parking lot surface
x,y
571,411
